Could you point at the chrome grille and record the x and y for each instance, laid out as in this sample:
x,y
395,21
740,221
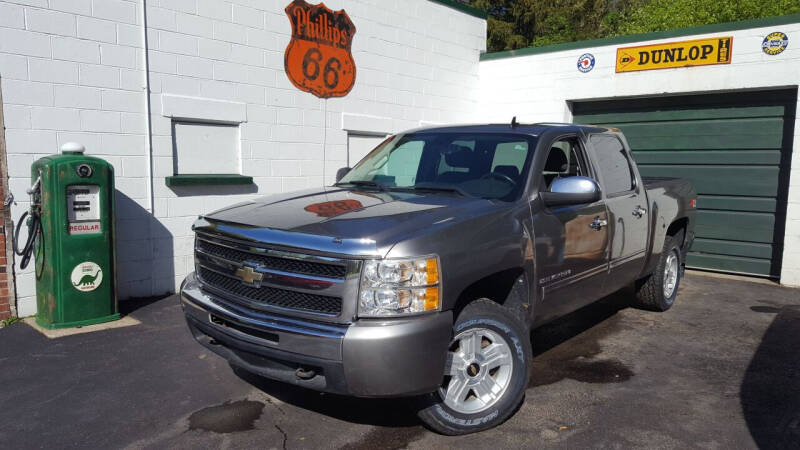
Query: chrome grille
x,y
271,262
258,277
272,296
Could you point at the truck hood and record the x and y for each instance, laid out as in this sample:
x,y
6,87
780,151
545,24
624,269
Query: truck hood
x,y
349,221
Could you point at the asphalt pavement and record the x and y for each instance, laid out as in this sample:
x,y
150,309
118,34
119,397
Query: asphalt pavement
x,y
721,369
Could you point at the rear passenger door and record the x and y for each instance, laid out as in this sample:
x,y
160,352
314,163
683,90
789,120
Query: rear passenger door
x,y
627,208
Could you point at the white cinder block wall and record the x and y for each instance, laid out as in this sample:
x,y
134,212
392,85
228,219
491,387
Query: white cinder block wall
x,y
537,88
73,70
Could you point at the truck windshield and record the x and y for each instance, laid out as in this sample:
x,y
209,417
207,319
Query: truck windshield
x,y
485,165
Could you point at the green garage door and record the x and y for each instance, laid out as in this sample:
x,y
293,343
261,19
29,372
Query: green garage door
x,y
736,147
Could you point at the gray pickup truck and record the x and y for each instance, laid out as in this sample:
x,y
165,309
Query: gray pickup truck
x,y
422,271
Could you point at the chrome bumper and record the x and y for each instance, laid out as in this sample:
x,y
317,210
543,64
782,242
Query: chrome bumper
x,y
370,358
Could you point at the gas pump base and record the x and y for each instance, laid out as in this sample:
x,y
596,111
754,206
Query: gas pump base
x,y
77,323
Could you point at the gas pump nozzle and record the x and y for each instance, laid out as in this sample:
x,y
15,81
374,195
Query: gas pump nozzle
x,y
33,222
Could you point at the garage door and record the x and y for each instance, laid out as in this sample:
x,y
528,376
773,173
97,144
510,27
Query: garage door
x,y
736,147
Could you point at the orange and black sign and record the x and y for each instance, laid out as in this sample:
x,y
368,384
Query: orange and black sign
x,y
334,208
670,55
318,59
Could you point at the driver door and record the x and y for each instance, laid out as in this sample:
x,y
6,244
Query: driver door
x,y
571,250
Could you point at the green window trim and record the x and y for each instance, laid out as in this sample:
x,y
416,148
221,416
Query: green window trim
x,y
475,12
208,180
631,38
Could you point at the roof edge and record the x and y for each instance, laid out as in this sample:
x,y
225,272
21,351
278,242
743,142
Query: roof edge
x,y
630,38
475,12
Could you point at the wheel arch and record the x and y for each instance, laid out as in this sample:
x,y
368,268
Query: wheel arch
x,y
508,287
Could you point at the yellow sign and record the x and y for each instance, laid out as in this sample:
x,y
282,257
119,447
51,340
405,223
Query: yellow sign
x,y
700,52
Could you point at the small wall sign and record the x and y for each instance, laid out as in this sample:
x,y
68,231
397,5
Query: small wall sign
x,y
774,43
318,58
586,62
699,52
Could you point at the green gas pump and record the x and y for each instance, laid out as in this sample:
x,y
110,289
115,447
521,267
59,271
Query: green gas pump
x,y
71,236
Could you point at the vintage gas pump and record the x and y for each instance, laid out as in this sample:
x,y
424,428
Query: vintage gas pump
x,y
71,235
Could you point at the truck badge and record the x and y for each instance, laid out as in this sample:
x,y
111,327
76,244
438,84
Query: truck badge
x,y
318,58
249,276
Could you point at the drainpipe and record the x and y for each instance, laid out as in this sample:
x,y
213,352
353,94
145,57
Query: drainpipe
x,y
149,149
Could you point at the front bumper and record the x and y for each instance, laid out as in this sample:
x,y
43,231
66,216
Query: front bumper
x,y
366,358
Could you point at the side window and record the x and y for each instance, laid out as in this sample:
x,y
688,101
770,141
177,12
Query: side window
x,y
613,164
564,160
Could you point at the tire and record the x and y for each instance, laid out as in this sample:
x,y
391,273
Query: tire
x,y
657,292
494,331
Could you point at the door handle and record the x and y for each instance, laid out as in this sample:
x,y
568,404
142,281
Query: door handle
x,y
639,211
598,223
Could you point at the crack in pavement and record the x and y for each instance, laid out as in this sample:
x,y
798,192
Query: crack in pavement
x,y
285,437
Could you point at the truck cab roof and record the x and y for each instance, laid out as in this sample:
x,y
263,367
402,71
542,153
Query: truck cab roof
x,y
532,129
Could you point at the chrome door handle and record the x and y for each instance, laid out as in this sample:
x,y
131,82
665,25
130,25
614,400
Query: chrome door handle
x,y
639,212
598,223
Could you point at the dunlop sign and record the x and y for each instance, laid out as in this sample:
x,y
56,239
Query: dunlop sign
x,y
700,52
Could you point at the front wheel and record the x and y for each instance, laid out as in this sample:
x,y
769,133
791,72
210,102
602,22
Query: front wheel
x,y
486,374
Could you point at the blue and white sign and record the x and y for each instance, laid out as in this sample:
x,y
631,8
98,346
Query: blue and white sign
x,y
586,62
775,43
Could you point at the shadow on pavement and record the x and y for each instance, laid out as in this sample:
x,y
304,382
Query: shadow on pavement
x,y
378,412
770,391
131,305
580,357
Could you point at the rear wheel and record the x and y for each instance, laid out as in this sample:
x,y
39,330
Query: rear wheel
x,y
657,292
486,373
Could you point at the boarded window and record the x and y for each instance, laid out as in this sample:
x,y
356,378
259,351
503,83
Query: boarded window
x,y
206,148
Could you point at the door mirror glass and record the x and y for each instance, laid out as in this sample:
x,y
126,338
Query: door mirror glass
x,y
572,191
341,173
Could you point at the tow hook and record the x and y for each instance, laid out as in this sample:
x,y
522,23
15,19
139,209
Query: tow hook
x,y
305,374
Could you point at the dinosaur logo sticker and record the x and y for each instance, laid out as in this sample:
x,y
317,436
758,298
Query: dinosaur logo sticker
x,y
86,276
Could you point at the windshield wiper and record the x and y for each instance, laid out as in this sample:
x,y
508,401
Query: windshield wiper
x,y
363,183
436,187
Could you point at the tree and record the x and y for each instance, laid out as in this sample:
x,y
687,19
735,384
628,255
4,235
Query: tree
x,y
516,24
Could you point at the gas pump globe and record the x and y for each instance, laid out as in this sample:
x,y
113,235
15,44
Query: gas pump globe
x,y
71,236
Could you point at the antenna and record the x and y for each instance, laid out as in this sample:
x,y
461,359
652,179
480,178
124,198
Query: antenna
x,y
514,122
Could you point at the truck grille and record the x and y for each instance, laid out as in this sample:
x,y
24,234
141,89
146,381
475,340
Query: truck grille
x,y
271,262
272,296
286,280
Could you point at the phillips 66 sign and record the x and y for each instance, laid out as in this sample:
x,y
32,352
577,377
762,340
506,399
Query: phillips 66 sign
x,y
318,58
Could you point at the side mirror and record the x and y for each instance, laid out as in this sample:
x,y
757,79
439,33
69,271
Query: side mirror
x,y
572,191
341,173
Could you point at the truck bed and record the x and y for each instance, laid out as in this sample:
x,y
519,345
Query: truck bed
x,y
661,182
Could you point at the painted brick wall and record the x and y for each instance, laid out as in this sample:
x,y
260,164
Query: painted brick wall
x,y
73,70
536,88
416,63
7,297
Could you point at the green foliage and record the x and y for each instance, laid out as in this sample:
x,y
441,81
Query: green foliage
x,y
663,15
9,321
516,24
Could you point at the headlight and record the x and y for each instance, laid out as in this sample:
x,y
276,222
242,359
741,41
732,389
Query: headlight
x,y
393,287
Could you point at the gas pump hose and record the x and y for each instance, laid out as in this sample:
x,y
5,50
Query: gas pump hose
x,y
34,226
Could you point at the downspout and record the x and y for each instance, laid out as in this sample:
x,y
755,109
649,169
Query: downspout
x,y
149,149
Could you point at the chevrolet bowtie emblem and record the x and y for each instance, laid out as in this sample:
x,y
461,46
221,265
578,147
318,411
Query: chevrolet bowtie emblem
x,y
248,275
